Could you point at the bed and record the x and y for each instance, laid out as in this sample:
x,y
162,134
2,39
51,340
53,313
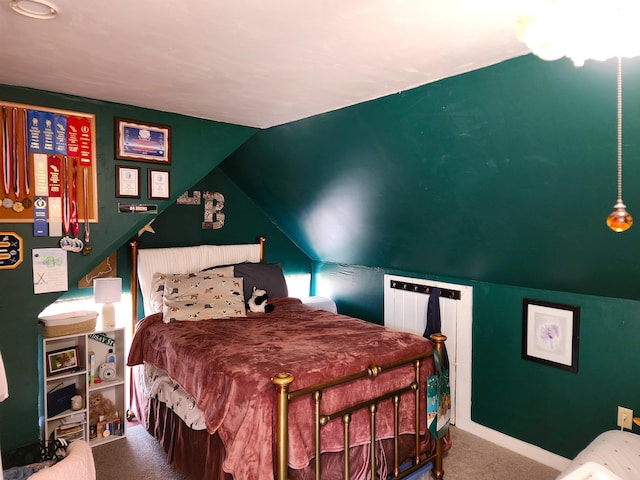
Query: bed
x,y
612,455
234,394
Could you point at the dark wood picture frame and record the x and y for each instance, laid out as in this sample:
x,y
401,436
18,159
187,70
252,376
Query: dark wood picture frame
x,y
142,141
63,360
158,184
551,333
127,181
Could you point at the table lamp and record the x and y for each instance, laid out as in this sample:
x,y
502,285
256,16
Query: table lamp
x,y
107,291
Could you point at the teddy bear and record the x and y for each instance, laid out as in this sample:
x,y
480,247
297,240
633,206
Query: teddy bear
x,y
258,301
100,406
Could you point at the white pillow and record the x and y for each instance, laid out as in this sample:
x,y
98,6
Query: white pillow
x,y
199,297
157,284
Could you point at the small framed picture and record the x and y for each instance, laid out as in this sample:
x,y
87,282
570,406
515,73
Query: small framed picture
x,y
550,334
142,141
158,184
127,182
64,360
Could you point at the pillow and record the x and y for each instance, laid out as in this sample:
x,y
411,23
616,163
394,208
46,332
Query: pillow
x,y
265,276
157,284
200,296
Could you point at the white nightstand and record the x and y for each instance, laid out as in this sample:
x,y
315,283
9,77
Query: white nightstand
x,y
322,303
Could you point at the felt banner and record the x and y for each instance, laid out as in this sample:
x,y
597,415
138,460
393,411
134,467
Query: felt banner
x,y
53,176
60,139
85,141
35,131
47,132
73,136
40,225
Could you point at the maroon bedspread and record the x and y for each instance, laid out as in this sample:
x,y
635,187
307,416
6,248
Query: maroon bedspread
x,y
228,364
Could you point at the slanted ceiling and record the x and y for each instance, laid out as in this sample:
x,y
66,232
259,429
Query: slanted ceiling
x,y
251,62
504,175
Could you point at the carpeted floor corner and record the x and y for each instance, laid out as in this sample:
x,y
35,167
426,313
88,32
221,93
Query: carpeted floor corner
x,y
139,457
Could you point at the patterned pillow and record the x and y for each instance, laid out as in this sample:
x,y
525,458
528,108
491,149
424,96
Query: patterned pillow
x,y
157,284
200,296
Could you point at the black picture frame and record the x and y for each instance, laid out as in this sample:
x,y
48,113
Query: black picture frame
x,y
551,333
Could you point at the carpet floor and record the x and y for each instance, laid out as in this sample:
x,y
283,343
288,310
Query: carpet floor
x,y
139,457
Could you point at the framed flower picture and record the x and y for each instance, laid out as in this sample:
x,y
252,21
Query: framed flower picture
x,y
550,333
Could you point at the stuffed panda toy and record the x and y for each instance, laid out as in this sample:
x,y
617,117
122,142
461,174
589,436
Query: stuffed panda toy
x,y
258,301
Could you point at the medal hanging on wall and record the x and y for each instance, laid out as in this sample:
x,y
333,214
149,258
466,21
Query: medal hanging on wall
x,y
7,202
70,209
86,250
26,202
17,204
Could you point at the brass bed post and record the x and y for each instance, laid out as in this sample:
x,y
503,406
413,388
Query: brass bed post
x,y
282,381
438,471
261,239
134,285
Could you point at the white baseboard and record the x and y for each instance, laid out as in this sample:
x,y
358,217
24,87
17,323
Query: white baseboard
x,y
518,446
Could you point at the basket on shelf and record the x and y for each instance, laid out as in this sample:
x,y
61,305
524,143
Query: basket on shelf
x,y
67,323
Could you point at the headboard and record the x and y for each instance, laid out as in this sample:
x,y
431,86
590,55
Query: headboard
x,y
145,262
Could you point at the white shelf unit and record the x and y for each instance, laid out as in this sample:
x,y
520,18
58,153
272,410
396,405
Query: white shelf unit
x,y
64,424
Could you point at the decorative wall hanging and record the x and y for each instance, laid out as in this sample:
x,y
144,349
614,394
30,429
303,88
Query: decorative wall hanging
x,y
147,228
213,216
106,269
158,186
550,333
142,141
11,250
186,199
48,158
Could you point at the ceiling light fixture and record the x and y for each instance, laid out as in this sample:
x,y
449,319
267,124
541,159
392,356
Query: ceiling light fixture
x,y
583,31
580,30
40,9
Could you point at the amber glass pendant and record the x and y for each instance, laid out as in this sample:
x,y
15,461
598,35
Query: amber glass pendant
x,y
619,220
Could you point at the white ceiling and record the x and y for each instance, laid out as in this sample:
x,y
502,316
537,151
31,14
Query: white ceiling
x,y
252,62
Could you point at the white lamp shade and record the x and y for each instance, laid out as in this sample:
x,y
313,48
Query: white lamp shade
x,y
107,290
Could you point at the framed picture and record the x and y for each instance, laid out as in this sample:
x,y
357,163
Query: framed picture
x,y
158,184
64,360
127,181
550,333
142,141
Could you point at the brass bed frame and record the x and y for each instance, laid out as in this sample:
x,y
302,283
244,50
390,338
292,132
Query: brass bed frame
x,y
282,381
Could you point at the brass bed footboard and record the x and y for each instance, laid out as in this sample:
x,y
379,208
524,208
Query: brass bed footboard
x,y
282,381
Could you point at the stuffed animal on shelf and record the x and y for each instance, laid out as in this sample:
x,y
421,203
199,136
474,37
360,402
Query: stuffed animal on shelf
x,y
100,406
258,301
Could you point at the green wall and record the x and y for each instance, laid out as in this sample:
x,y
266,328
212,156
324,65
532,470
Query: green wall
x,y
198,146
556,410
501,178
504,174
181,225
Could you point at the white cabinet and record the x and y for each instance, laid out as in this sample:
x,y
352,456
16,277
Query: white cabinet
x,y
70,381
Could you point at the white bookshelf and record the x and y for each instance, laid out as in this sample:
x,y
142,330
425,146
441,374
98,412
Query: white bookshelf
x,y
58,420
